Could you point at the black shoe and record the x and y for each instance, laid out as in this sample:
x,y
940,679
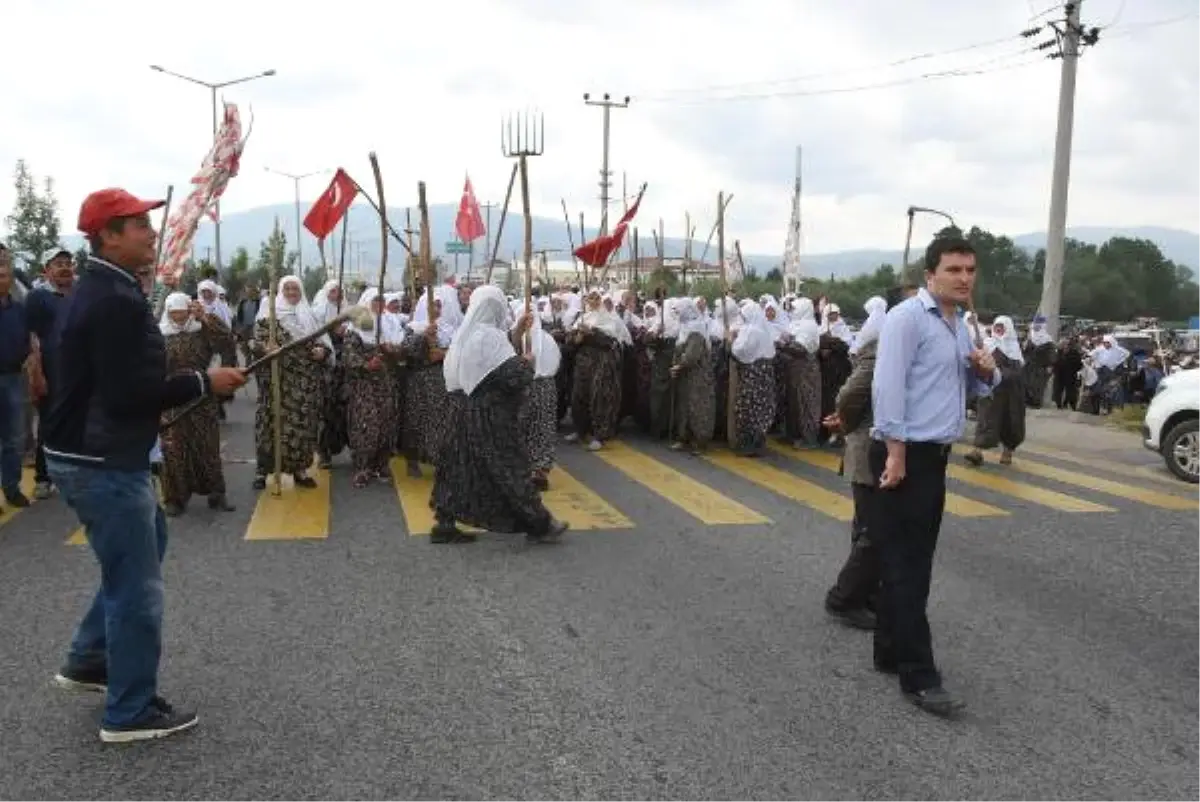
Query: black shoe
x,y
857,617
90,679
259,483
936,701
552,534
449,533
219,502
16,499
305,481
161,720
541,483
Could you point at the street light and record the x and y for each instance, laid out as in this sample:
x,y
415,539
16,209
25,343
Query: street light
x,y
296,180
213,89
912,212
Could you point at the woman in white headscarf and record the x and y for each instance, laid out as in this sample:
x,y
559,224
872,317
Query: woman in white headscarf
x,y
1039,351
301,383
423,417
692,377
191,448
801,376
483,476
1000,417
834,356
369,354
659,337
539,410
599,338
564,309
753,352
332,436
1108,359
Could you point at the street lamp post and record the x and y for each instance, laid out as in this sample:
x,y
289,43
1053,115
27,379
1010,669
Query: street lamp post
x,y
912,212
212,88
296,178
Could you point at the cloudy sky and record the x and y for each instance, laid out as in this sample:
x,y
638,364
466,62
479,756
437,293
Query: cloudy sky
x,y
723,92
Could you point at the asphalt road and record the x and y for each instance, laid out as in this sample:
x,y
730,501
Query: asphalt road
x,y
668,658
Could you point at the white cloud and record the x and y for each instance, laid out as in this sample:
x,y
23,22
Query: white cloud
x,y
427,85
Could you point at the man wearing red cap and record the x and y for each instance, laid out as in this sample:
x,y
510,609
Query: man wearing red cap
x,y
110,389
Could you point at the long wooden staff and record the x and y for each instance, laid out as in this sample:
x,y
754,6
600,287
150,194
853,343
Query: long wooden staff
x,y
160,302
975,322
523,166
276,390
570,237
383,238
730,418
269,359
342,264
427,254
512,179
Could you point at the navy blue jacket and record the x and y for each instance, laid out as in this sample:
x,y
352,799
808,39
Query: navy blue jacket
x,y
14,335
110,375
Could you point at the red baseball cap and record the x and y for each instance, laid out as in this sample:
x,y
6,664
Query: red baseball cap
x,y
105,205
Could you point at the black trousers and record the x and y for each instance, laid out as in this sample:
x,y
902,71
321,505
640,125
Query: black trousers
x,y
857,585
904,524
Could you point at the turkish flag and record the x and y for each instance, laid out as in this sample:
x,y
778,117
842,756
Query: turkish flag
x,y
597,252
469,223
329,209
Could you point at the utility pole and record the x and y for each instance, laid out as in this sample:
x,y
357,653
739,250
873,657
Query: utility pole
x,y
606,105
296,179
487,232
1070,38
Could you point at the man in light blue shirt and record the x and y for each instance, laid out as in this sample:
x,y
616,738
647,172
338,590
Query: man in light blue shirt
x,y
926,367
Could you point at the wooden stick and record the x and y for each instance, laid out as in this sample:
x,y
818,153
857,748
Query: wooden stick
x,y
523,164
720,215
342,263
500,227
426,253
258,363
276,390
383,239
570,236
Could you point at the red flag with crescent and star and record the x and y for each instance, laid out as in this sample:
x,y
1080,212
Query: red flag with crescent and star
x,y
469,222
597,252
329,209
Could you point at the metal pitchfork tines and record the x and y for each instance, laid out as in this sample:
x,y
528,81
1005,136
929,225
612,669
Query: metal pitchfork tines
x,y
523,134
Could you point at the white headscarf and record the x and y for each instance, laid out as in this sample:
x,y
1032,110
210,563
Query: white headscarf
x,y
1111,358
385,328
1038,336
803,327
572,308
837,329
546,355
754,340
607,322
449,320
481,343
778,326
691,322
323,309
216,306
177,302
296,319
669,325
876,309
1006,343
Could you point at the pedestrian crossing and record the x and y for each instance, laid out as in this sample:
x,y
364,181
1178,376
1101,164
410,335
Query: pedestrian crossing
x,y
717,489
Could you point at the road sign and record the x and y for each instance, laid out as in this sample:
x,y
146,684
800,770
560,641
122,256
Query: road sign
x,y
454,246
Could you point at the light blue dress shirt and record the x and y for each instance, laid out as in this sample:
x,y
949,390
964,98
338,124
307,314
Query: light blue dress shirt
x,y
923,375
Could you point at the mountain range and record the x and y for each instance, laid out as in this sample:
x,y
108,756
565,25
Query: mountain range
x,y
248,229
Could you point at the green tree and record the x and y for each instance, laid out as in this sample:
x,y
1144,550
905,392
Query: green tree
x,y
33,224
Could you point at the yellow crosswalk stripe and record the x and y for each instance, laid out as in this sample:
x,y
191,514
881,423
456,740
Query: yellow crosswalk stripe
x,y
785,484
1035,495
295,514
1118,489
958,505
26,485
1100,463
696,499
568,499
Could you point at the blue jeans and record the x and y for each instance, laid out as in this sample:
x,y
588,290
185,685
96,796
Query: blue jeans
x,y
12,430
122,630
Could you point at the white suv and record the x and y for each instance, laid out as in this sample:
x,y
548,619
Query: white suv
x,y
1171,422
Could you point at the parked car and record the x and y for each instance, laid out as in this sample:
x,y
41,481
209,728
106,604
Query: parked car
x,y
1171,423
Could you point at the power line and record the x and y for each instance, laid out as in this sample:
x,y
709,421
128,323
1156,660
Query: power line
x,y
665,94
973,70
